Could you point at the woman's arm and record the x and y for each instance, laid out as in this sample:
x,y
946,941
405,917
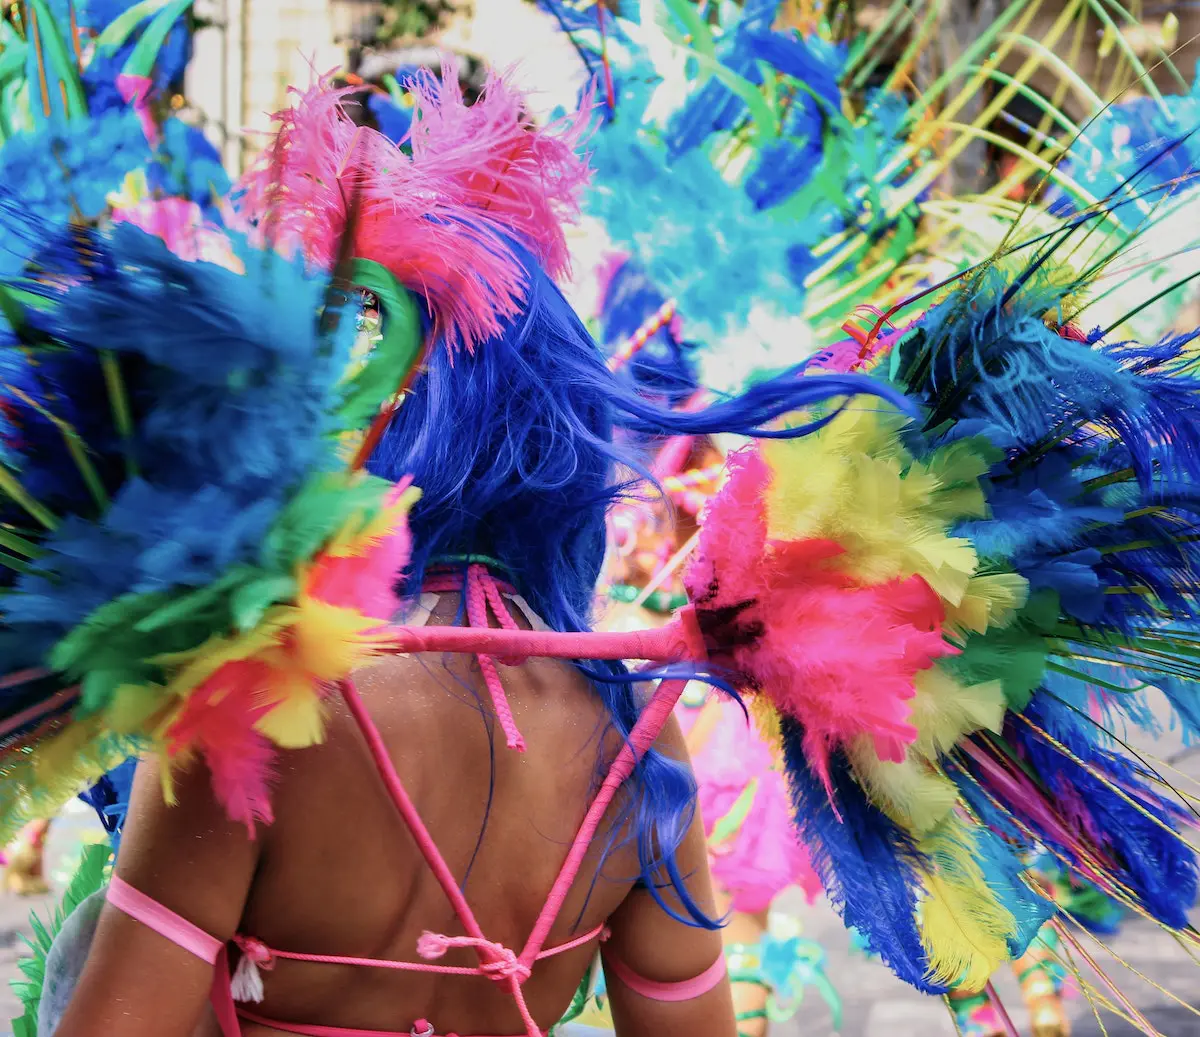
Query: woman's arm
x,y
651,944
191,859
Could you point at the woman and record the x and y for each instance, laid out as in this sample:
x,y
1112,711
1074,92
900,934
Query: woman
x,y
512,447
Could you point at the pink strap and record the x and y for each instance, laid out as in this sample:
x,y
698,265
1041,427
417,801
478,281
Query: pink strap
x,y
685,990
430,946
221,997
648,727
483,596
407,809
163,921
433,857
335,1031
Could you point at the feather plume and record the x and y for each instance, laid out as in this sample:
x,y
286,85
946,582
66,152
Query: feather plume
x,y
866,863
439,219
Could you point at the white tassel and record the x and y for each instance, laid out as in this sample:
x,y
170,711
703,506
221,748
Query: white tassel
x,y
247,984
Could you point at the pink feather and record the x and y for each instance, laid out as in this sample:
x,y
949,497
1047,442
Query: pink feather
x,y
838,657
218,719
441,220
529,179
726,569
321,167
367,581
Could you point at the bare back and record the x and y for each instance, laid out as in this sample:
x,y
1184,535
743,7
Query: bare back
x,y
340,874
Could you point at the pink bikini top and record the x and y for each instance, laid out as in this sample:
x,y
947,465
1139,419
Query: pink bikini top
x,y
496,962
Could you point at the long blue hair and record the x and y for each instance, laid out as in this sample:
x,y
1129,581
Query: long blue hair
x,y
513,449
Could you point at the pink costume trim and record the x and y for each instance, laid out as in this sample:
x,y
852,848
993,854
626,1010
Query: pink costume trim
x,y
684,990
483,597
163,921
333,1031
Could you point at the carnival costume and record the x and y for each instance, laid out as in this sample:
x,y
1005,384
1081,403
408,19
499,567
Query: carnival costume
x,y
1002,543
135,622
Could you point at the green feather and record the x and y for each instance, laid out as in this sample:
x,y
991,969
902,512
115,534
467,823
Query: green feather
x,y
396,352
145,52
117,32
56,57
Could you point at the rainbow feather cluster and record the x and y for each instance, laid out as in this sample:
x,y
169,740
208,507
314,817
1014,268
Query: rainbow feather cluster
x,y
198,574
78,145
934,615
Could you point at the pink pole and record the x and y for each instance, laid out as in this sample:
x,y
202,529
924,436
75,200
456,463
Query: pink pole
x,y
678,640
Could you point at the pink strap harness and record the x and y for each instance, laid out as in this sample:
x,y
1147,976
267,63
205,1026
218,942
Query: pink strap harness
x,y
496,962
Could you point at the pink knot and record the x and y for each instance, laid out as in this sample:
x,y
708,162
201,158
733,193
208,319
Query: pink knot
x,y
257,951
500,963
505,966
432,945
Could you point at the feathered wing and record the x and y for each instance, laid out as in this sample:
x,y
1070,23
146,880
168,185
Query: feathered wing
x,y
192,564
992,579
208,566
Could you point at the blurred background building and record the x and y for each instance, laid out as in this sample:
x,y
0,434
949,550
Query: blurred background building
x,y
249,51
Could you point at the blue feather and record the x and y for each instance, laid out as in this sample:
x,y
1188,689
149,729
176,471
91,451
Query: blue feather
x,y
230,409
1184,699
714,108
109,797
864,860
1159,869
1004,872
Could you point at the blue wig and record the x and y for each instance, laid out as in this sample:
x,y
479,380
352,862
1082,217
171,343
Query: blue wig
x,y
512,447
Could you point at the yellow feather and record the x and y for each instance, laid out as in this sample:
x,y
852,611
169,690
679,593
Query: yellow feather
x,y
36,785
964,928
912,793
297,718
200,663
328,642
915,792
990,602
134,707
855,483
766,720
365,530
944,711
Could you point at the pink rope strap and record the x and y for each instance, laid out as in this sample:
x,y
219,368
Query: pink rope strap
x,y
482,597
647,729
494,957
429,946
680,639
421,1028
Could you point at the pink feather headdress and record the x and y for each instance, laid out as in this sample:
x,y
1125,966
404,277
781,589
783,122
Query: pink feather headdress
x,y
441,219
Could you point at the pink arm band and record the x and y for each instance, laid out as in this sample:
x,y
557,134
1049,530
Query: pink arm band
x,y
685,990
163,921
